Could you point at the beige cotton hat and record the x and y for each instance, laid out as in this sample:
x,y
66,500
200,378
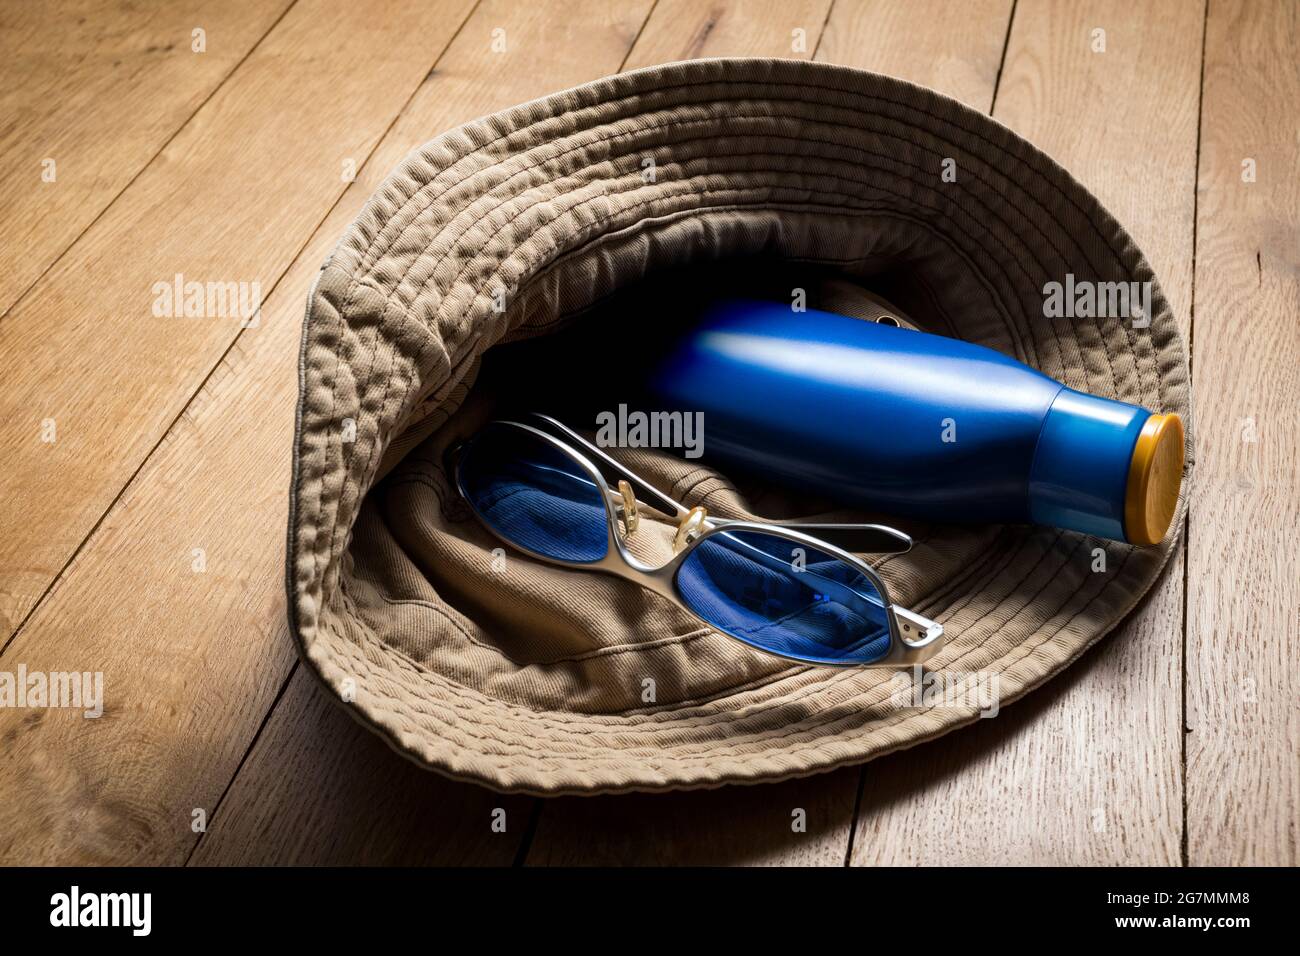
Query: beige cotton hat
x,y
529,677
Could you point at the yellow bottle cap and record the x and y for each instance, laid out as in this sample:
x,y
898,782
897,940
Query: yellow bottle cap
x,y
1155,476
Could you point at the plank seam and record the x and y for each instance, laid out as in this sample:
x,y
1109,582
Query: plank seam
x,y
140,172
830,8
1184,848
857,811
248,752
1006,45
622,65
534,813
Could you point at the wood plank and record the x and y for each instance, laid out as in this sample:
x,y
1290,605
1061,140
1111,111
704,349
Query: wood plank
x,y
230,200
752,824
331,799
690,30
99,89
915,42
187,692
1243,788
796,823
1088,769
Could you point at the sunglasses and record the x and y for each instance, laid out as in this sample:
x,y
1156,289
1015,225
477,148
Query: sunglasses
x,y
794,590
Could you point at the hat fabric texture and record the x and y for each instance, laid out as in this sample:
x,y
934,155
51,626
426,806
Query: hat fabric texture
x,y
489,667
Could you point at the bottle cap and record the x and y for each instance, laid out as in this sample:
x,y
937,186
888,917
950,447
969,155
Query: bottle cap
x,y
1106,468
1154,478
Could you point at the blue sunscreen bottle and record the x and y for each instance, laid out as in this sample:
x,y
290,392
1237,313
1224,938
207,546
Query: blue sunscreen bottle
x,y
907,422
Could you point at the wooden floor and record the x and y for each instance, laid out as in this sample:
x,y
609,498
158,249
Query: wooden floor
x,y
144,461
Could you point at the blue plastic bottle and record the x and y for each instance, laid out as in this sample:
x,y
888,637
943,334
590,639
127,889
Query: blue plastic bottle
x,y
917,424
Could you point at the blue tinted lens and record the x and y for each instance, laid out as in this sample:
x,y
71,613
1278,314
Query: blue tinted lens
x,y
534,495
785,597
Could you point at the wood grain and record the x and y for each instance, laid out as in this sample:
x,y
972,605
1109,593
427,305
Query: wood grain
x,y
331,799
1087,770
797,823
193,659
231,199
99,89
1243,640
917,42
691,29
743,825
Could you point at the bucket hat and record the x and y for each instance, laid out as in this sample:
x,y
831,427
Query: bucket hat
x,y
528,677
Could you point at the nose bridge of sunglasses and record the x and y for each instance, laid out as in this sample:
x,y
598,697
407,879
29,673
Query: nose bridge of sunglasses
x,y
625,507
690,527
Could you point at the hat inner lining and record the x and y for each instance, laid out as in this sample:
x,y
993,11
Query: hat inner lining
x,y
528,656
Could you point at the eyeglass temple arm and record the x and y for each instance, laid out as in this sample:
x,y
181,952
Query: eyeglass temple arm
x,y
646,492
854,538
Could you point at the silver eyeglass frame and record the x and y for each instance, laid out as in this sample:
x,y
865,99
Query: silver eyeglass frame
x,y
913,638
